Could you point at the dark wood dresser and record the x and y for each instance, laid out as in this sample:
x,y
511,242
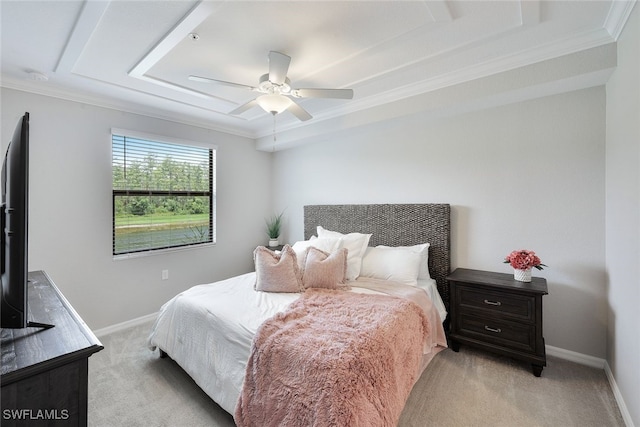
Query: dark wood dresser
x,y
44,371
494,312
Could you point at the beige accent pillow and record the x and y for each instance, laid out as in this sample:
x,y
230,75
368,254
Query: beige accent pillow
x,y
324,270
277,272
328,244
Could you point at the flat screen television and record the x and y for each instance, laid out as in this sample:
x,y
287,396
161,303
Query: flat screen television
x,y
15,224
14,217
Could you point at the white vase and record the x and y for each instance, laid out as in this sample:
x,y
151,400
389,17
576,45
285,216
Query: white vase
x,y
273,243
522,275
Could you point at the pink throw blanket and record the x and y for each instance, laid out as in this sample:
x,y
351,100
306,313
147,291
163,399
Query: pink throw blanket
x,y
334,358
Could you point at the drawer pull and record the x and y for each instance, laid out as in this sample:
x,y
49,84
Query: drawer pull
x,y
492,329
492,302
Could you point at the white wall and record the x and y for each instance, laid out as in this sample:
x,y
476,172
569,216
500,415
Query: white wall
x,y
623,217
70,208
527,175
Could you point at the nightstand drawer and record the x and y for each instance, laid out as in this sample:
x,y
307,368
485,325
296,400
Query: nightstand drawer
x,y
516,306
513,335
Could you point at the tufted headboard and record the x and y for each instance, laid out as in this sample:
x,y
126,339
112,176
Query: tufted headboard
x,y
393,225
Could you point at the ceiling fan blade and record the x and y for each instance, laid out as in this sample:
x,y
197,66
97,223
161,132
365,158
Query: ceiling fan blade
x,y
323,93
299,112
221,82
244,107
278,67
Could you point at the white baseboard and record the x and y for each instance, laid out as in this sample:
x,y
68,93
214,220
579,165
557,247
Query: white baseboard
x,y
124,325
626,416
572,356
595,362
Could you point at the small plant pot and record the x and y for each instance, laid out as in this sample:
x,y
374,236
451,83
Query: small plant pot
x,y
522,275
273,243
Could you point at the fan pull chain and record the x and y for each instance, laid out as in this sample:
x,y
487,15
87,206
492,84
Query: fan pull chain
x,y
273,148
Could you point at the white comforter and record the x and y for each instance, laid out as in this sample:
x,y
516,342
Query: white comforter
x,y
208,330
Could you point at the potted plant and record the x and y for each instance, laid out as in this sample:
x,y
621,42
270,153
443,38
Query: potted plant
x,y
274,225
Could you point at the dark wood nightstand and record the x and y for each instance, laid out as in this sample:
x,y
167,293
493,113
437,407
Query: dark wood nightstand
x,y
494,312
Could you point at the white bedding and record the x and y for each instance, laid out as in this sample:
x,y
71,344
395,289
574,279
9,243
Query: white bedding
x,y
429,285
208,330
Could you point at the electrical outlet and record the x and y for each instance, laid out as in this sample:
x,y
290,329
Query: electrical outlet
x,y
165,274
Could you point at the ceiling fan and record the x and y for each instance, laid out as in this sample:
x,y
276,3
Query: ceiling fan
x,y
276,90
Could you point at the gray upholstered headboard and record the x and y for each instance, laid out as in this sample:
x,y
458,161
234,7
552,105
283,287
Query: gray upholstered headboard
x,y
393,225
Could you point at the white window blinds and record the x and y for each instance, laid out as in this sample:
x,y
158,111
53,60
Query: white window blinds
x,y
163,194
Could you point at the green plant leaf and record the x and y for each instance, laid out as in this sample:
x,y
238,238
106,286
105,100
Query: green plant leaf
x,y
274,225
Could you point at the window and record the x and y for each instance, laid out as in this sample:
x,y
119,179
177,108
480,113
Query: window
x,y
163,194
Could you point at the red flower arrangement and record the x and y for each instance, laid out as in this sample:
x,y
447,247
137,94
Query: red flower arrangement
x,y
524,260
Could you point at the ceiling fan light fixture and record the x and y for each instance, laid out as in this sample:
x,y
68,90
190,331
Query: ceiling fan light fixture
x,y
275,89
274,103
267,86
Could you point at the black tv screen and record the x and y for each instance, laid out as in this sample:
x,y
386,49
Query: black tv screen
x,y
15,223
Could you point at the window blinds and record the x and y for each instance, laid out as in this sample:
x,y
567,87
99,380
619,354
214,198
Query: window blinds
x,y
163,194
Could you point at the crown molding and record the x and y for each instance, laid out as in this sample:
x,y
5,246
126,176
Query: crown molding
x,y
122,106
570,45
617,18
579,70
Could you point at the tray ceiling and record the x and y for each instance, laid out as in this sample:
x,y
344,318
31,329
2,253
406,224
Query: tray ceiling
x,y
137,55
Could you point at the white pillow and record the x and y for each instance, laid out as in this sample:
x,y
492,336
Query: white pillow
x,y
325,244
355,243
396,264
423,250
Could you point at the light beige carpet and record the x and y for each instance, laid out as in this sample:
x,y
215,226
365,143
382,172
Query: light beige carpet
x,y
130,385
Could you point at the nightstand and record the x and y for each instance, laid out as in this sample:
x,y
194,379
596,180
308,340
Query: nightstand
x,y
494,312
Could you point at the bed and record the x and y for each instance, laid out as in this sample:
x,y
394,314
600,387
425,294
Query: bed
x,y
224,334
